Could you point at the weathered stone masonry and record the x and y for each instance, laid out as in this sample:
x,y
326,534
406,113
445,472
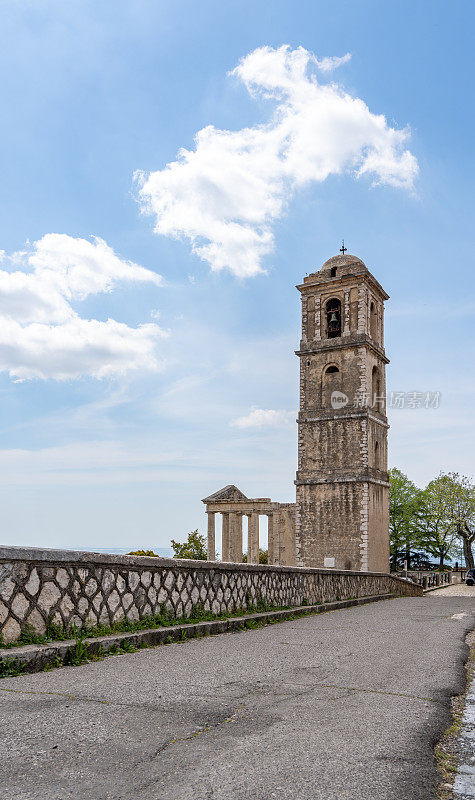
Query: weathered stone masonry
x,y
342,488
341,514
69,587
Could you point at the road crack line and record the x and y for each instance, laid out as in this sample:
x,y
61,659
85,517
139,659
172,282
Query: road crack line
x,y
78,698
59,694
378,691
190,737
195,734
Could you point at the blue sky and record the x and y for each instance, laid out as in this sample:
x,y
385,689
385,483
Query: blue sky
x,y
126,397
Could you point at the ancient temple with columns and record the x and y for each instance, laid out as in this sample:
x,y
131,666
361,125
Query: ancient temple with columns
x,y
232,504
341,517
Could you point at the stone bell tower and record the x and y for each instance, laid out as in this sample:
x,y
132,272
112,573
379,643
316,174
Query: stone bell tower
x,y
342,480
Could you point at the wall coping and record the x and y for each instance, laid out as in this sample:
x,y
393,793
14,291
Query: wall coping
x,y
40,554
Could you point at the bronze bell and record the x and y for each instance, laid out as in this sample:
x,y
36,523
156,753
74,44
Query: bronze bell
x,y
333,318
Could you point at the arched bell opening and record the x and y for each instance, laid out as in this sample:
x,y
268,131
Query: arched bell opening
x,y
376,390
376,455
333,314
373,322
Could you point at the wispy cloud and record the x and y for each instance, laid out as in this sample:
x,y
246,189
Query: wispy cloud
x,y
225,195
330,63
264,418
42,336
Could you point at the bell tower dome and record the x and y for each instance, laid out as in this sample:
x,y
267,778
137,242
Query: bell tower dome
x,y
342,484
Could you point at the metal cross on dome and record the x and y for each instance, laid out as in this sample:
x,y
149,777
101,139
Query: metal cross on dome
x,y
343,249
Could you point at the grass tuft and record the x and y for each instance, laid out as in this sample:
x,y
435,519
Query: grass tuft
x,y
163,619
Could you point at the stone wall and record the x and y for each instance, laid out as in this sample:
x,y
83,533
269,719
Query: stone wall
x,y
69,587
319,506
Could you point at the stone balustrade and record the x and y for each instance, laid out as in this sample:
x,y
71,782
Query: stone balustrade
x,y
429,580
69,587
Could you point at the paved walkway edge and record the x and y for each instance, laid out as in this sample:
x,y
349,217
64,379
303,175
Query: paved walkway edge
x,y
464,783
34,658
443,586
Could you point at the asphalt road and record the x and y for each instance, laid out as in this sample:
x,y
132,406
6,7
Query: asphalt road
x,y
342,706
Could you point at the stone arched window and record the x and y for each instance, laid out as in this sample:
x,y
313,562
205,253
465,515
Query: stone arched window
x,y
333,315
373,321
375,389
331,382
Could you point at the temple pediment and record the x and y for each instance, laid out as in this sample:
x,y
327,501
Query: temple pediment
x,y
229,492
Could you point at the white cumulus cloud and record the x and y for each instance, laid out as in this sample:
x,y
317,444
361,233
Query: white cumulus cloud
x,y
264,417
226,193
41,334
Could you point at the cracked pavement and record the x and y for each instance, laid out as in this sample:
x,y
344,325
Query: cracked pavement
x,y
339,706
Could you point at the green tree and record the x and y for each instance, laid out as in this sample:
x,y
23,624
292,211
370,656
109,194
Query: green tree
x,y
405,517
457,495
194,547
263,557
440,531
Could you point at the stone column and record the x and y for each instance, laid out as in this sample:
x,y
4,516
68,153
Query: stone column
x,y
304,319
362,306
318,320
235,537
270,538
253,539
211,536
346,315
239,545
248,515
310,318
276,537
287,537
225,537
